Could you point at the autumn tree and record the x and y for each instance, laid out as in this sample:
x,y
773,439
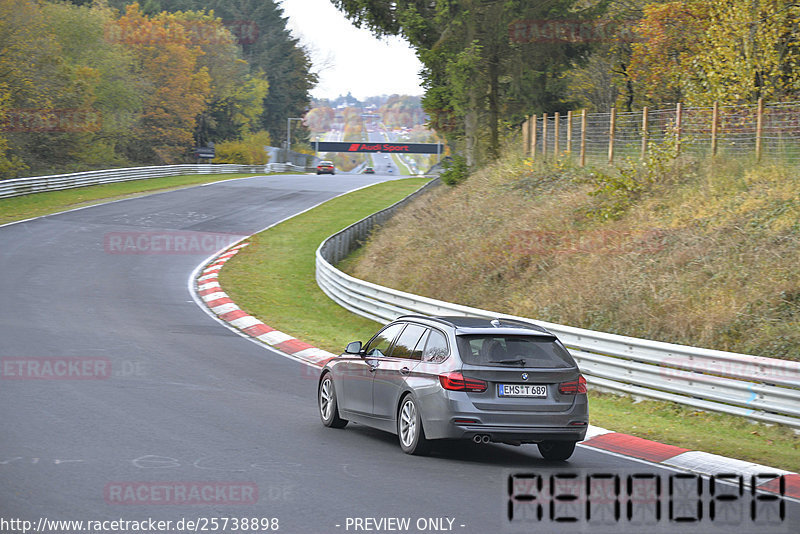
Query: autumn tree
x,y
236,94
750,50
670,37
177,90
30,77
269,48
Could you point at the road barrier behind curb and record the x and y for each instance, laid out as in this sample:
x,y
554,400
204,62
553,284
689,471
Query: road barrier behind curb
x,y
39,184
759,388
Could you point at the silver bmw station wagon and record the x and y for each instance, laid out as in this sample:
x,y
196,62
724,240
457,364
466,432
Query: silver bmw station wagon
x,y
432,378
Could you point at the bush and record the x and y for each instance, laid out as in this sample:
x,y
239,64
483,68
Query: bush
x,y
456,171
248,151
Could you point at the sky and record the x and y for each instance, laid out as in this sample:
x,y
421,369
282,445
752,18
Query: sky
x,y
349,59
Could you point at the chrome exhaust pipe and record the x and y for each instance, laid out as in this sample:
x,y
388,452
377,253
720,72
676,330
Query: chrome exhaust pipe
x,y
477,438
482,438
486,439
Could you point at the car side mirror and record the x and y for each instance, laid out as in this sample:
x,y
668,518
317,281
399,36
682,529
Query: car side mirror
x,y
353,348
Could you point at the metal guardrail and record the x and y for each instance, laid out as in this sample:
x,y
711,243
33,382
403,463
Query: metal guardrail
x,y
758,388
39,184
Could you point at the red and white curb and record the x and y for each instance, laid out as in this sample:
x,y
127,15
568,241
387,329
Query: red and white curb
x,y
211,293
209,290
703,463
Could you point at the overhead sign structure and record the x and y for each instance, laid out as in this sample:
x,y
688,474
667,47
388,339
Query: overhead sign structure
x,y
397,148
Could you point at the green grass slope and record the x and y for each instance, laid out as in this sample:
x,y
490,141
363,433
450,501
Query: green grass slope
x,y
672,250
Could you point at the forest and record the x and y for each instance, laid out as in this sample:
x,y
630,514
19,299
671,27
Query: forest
x,y
101,84
487,64
96,84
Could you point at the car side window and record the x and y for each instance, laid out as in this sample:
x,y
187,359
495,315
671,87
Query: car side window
x,y
406,346
436,348
379,345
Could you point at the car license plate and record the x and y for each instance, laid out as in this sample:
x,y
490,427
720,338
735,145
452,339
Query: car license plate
x,y
521,390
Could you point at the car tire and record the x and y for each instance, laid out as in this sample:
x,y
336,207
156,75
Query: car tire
x,y
556,450
409,428
328,406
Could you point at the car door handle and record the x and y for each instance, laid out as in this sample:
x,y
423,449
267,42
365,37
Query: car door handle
x,y
405,371
373,368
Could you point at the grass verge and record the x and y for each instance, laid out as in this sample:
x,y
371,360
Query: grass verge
x,y
682,426
273,278
37,204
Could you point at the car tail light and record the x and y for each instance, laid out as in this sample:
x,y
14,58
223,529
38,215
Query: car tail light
x,y
457,382
573,387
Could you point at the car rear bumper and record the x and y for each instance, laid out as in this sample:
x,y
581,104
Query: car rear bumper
x,y
519,434
454,416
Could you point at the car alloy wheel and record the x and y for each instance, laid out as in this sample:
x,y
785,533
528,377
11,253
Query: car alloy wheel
x,y
409,428
328,407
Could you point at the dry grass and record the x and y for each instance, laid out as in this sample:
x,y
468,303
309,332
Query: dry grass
x,y
708,257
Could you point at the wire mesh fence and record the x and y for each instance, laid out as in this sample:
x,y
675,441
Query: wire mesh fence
x,y
764,131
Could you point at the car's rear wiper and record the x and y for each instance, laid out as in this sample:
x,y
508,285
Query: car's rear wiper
x,y
519,361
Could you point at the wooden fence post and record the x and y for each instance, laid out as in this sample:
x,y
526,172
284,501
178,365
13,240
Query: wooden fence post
x,y
759,127
644,132
544,136
569,132
678,122
714,120
526,130
583,137
555,133
533,136
611,126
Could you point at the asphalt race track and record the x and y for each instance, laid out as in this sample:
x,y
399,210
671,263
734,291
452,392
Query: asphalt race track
x,y
167,397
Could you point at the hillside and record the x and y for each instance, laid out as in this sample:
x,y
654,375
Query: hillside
x,y
675,251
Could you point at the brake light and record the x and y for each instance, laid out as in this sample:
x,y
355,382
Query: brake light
x,y
573,387
456,382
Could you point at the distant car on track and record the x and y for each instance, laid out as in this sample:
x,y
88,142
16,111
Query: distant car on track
x,y
369,170
326,167
432,378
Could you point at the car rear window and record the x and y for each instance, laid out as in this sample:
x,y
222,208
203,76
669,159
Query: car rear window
x,y
522,351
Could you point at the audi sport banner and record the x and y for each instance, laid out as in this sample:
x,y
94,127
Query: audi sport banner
x,y
397,148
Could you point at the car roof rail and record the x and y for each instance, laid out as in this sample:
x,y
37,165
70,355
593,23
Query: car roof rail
x,y
428,318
